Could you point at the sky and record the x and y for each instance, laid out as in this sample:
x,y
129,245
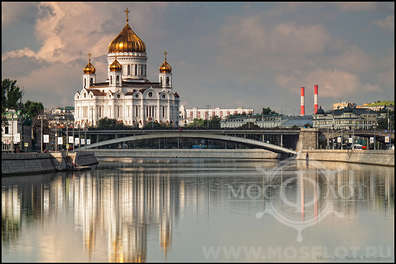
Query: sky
x,y
248,54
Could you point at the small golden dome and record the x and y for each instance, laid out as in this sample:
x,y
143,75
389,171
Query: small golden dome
x,y
165,67
127,41
89,68
115,66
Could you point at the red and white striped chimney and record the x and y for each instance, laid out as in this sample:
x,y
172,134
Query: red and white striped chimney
x,y
302,110
315,99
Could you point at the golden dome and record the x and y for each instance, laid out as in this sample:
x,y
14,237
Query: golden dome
x,y
89,68
115,66
127,41
165,67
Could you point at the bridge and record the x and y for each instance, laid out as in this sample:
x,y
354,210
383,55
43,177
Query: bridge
x,y
282,137
284,141
193,134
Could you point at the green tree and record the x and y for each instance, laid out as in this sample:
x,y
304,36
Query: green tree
x,y
249,125
383,122
197,123
214,122
155,125
268,111
11,95
32,109
108,123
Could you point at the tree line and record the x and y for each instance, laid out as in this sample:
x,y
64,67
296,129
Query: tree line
x,y
11,98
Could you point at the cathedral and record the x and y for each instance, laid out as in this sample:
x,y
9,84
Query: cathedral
x,y
127,95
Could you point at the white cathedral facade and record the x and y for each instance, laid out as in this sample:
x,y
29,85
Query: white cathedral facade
x,y
127,95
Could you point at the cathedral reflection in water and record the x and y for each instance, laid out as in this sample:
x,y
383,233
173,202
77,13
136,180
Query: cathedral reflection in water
x,y
125,206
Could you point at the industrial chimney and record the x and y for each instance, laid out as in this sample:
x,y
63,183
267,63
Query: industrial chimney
x,y
302,110
315,99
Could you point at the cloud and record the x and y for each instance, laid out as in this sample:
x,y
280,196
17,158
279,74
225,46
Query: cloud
x,y
60,80
67,32
352,59
332,83
295,55
386,23
14,11
356,6
257,46
251,33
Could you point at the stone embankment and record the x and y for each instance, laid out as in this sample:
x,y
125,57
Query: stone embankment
x,y
35,163
371,157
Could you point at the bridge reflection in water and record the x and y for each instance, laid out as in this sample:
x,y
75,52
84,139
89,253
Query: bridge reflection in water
x,y
116,210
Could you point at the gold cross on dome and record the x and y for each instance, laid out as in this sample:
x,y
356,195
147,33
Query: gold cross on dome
x,y
126,12
165,53
89,57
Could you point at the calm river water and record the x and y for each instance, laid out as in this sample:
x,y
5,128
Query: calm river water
x,y
201,210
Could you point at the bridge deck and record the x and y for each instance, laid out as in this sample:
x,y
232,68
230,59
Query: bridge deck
x,y
183,134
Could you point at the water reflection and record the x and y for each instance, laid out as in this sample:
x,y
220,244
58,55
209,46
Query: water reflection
x,y
115,210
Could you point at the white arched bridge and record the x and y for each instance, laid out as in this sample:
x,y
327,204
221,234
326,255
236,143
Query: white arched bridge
x,y
178,134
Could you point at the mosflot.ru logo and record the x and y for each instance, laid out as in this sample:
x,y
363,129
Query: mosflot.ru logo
x,y
302,197
299,196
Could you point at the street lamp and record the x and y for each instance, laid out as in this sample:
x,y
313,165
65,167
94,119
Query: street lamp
x,y
73,137
12,133
41,131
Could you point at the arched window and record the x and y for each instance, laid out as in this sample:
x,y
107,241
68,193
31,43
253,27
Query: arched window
x,y
136,72
91,81
129,69
111,79
85,80
118,79
167,81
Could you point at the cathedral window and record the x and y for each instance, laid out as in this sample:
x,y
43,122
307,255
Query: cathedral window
x,y
85,80
150,94
85,111
111,79
136,73
129,69
91,81
167,81
118,79
163,96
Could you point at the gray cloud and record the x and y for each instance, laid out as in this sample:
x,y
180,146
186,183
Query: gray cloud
x,y
387,23
253,58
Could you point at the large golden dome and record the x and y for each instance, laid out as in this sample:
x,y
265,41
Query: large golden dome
x,y
115,66
165,67
127,41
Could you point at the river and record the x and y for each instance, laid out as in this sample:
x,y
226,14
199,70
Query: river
x,y
201,210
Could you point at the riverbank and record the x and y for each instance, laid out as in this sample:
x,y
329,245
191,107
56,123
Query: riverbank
x,y
371,157
36,163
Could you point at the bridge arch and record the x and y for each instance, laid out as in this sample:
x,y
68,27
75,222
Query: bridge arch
x,y
267,146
